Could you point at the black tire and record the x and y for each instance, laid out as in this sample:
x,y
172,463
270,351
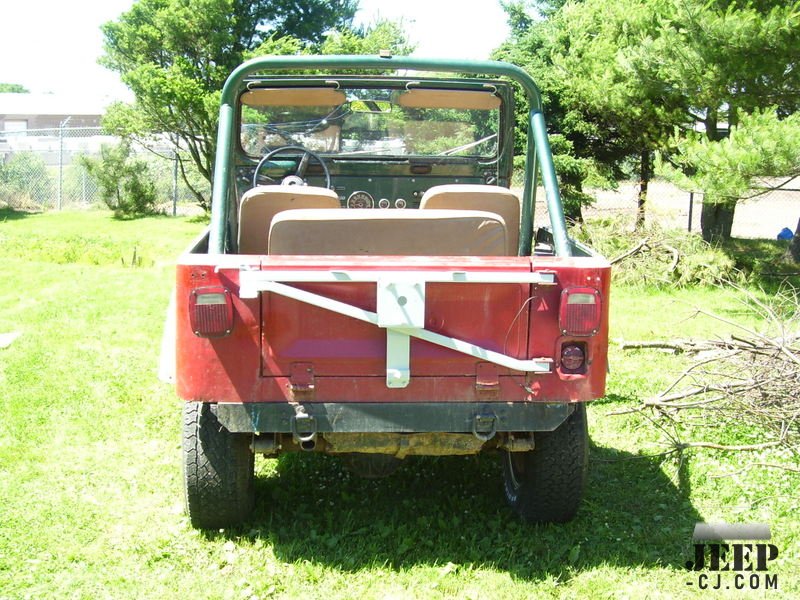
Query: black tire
x,y
546,484
217,470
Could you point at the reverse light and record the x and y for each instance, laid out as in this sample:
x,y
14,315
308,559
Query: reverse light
x,y
573,357
579,313
211,311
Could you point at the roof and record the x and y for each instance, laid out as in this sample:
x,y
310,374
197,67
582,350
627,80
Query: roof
x,y
49,104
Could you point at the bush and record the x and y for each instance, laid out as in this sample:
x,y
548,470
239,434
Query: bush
x,y
657,257
24,180
125,182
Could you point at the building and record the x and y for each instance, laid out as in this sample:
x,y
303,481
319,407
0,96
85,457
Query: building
x,y
57,128
23,112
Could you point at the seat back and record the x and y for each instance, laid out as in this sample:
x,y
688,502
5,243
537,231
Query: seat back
x,y
491,198
388,232
260,205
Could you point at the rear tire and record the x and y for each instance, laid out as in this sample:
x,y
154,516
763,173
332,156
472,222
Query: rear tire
x,y
218,470
546,484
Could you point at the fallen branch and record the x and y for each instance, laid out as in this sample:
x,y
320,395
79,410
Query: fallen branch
x,y
635,250
675,257
747,380
745,447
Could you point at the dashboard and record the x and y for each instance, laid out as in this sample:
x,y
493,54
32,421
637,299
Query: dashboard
x,y
362,199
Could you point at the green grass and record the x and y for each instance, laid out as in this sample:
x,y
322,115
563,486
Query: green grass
x,y
90,482
766,260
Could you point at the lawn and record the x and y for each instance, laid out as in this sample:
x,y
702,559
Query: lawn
x,y
90,479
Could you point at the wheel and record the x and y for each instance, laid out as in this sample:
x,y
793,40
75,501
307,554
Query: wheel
x,y
299,176
546,484
217,469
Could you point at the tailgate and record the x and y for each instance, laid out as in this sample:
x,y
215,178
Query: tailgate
x,y
394,319
388,329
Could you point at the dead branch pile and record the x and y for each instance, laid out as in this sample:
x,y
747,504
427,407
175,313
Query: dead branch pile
x,y
653,256
749,379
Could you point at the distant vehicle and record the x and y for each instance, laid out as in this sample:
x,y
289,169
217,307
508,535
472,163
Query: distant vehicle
x,y
369,286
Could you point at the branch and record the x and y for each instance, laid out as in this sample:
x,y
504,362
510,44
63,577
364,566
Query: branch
x,y
631,252
743,448
675,257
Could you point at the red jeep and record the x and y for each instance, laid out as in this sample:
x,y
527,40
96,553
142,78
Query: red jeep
x,y
369,286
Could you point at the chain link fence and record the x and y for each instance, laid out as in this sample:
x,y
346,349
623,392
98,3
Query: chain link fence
x,y
767,209
764,211
40,169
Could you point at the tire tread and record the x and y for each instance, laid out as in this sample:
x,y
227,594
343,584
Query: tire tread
x,y
218,470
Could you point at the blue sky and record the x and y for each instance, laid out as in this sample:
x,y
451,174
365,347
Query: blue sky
x,y
53,45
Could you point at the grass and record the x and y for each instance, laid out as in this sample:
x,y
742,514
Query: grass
x,y
765,261
90,483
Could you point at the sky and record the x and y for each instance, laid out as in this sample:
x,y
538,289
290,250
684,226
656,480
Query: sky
x,y
52,46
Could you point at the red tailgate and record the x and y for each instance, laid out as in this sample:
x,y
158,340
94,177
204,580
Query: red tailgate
x,y
489,315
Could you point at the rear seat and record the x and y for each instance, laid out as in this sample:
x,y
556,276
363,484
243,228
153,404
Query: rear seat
x,y
492,198
261,204
388,232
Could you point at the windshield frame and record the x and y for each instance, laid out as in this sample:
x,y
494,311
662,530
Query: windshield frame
x,y
502,129
538,146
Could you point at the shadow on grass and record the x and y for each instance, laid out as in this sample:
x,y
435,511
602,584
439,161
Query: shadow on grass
x,y
9,214
764,261
438,510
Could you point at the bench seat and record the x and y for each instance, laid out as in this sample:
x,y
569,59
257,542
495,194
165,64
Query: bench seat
x,y
388,232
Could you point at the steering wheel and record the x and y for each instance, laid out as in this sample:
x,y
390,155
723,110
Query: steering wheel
x,y
302,165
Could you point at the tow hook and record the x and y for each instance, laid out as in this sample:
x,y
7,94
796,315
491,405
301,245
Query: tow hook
x,y
304,430
484,427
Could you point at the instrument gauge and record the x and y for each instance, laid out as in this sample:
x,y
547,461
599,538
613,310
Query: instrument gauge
x,y
360,200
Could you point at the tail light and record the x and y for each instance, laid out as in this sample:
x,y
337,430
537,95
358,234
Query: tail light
x,y
573,358
211,311
579,313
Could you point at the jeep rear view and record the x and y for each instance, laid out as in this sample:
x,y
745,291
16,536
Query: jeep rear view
x,y
371,288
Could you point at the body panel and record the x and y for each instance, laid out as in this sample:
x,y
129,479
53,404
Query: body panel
x,y
273,334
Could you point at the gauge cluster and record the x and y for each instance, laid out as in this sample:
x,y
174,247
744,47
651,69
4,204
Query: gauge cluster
x,y
361,199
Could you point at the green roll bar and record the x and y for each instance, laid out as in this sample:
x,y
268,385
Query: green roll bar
x,y
538,144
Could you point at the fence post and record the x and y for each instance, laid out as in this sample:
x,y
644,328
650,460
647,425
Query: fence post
x,y
174,183
691,206
61,158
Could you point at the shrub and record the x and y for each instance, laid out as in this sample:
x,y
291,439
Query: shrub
x,y
24,180
125,182
657,257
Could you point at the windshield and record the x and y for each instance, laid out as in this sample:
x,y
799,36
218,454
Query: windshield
x,y
368,121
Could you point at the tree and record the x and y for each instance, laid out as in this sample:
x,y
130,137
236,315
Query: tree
x,y
794,247
626,73
760,145
382,35
599,113
732,59
175,55
125,182
600,51
13,88
528,47
306,20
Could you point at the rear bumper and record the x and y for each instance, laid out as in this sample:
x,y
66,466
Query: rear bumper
x,y
452,417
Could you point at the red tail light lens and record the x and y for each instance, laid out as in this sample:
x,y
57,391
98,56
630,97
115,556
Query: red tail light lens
x,y
211,311
573,357
579,313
